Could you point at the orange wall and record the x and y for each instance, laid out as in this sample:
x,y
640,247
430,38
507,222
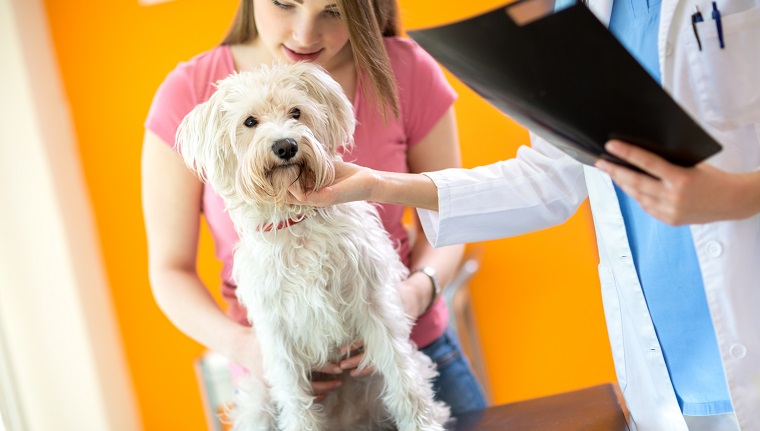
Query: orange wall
x,y
537,296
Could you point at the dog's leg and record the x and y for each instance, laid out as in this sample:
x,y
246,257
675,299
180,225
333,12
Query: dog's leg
x,y
291,390
408,393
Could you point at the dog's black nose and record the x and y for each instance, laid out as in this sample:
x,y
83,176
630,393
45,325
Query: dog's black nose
x,y
285,148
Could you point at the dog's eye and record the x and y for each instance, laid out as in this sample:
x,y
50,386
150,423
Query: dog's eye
x,y
250,122
295,113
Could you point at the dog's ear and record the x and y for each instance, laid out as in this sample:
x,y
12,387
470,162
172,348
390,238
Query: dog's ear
x,y
203,140
340,113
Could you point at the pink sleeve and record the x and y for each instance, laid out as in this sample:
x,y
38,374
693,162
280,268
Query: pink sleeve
x,y
174,99
424,92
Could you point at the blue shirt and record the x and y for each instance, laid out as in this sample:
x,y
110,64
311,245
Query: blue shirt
x,y
666,260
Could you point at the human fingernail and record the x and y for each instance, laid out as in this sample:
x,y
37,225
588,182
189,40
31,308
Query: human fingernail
x,y
612,146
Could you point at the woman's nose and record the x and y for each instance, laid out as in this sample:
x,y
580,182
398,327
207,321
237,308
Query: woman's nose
x,y
306,32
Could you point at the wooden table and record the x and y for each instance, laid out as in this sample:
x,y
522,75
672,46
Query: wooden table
x,y
592,409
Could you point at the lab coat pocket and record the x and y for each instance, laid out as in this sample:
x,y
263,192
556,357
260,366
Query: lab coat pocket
x,y
725,79
614,319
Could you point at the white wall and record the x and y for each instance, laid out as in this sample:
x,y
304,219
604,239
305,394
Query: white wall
x,y
61,362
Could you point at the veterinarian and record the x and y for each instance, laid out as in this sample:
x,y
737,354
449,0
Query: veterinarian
x,y
406,123
680,251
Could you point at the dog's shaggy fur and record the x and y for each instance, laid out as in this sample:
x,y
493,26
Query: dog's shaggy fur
x,y
313,280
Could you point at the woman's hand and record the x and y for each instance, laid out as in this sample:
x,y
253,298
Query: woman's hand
x,y
678,195
325,380
416,293
328,377
245,351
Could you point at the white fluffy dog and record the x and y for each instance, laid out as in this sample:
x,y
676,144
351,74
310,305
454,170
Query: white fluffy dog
x,y
313,279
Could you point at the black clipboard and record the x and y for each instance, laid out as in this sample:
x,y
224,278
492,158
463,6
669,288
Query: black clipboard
x,y
564,76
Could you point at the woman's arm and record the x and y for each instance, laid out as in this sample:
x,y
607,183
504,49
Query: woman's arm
x,y
171,196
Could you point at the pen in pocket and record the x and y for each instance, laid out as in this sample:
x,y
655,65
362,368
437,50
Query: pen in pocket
x,y
718,24
695,18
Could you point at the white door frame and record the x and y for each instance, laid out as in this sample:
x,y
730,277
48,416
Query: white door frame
x,y
62,364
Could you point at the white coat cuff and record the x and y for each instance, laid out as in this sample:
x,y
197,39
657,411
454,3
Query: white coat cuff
x,y
431,220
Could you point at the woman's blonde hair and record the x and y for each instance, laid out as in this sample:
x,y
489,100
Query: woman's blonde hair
x,y
368,21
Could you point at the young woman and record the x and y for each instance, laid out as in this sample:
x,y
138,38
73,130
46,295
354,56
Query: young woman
x,y
405,124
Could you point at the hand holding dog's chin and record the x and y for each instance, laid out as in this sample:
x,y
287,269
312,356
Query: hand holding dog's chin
x,y
352,183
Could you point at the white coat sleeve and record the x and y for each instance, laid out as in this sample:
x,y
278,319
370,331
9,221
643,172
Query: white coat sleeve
x,y
539,188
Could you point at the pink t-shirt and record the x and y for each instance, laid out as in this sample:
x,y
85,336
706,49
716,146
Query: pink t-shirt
x,y
424,96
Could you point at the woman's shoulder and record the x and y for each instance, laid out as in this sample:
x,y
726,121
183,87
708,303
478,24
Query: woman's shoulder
x,y
408,59
424,93
412,66
203,70
191,82
399,48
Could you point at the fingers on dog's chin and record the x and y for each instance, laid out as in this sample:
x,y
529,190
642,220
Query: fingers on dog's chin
x,y
296,194
299,195
293,197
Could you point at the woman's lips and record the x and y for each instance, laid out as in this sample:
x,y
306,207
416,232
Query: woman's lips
x,y
301,56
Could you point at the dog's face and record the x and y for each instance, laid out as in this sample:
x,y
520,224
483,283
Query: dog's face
x,y
263,130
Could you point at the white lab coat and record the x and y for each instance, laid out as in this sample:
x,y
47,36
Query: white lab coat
x,y
542,187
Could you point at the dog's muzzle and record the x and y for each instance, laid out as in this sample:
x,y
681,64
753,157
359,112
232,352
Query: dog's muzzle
x,y
285,149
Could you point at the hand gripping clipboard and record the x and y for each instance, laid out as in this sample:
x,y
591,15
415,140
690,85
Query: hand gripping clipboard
x,y
565,77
